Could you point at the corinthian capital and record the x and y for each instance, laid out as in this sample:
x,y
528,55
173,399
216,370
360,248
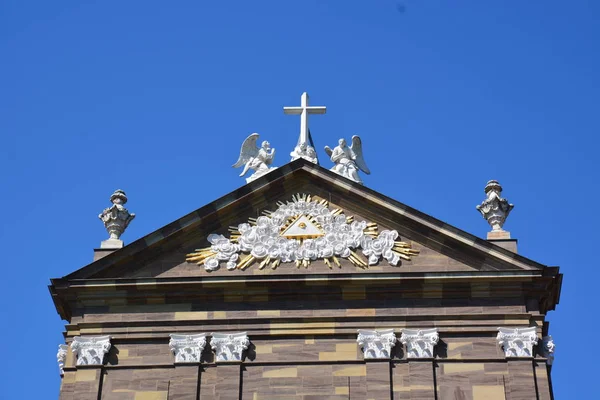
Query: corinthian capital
x,y
419,342
90,350
517,342
61,357
229,346
187,348
376,344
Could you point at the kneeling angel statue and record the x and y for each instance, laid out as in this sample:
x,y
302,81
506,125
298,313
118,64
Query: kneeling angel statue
x,y
254,158
348,160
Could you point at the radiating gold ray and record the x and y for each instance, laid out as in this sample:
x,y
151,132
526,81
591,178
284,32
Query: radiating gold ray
x,y
275,263
264,262
245,263
336,261
363,262
204,249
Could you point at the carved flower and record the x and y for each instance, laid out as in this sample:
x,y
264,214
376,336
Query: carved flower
x,y
274,251
365,243
388,238
377,246
373,259
215,239
339,247
250,238
287,256
311,254
243,228
263,222
226,250
326,251
211,264
259,251
278,219
391,257
340,219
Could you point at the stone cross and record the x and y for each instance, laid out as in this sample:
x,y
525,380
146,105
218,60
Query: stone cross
x,y
304,111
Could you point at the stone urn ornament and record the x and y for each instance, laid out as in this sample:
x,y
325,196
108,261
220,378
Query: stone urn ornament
x,y
116,218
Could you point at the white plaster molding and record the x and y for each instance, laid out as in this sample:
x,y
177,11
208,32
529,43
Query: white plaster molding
x,y
419,342
187,348
547,349
266,238
376,344
61,357
494,208
116,218
517,342
90,350
229,346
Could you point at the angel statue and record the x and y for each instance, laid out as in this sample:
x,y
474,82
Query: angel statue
x,y
348,160
254,158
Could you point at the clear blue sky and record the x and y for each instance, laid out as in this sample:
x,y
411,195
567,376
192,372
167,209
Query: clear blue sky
x,y
156,97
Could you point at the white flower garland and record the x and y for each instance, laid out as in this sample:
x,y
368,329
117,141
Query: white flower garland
x,y
264,240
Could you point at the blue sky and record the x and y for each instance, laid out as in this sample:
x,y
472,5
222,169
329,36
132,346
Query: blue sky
x,y
156,98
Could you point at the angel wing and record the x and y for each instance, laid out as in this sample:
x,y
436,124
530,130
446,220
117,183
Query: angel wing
x,y
248,150
357,149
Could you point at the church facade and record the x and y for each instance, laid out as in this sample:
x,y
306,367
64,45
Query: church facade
x,y
304,284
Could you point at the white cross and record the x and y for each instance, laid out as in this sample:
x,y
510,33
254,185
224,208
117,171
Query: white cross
x,y
304,110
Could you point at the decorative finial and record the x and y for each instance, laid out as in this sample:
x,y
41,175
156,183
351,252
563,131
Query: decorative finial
x,y
254,158
348,160
304,148
494,208
116,218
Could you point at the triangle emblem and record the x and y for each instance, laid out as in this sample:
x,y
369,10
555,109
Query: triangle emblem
x,y
302,228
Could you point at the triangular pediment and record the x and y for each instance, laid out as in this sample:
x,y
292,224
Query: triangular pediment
x,y
418,243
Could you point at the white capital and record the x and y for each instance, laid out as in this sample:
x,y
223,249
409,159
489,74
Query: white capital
x,y
419,342
517,342
376,344
229,346
61,357
548,347
187,348
90,350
